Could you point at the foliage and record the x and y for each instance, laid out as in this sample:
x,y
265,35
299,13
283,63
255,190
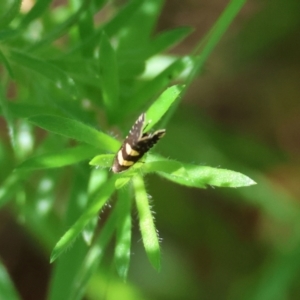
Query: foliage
x,y
66,75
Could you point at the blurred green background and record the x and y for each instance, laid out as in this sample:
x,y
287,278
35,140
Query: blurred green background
x,y
241,113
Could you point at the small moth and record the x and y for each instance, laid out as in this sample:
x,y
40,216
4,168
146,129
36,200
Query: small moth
x,y
135,145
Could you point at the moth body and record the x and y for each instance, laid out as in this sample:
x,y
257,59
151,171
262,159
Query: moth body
x,y
135,145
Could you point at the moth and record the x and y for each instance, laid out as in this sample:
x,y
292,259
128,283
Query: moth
x,y
135,145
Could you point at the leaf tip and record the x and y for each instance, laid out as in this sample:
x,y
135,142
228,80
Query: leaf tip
x,y
251,182
52,258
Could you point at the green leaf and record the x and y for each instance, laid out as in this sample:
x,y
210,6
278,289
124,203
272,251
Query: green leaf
x,y
147,227
97,179
60,29
193,175
86,28
7,289
63,277
124,15
53,73
201,176
110,28
171,167
41,220
8,117
120,182
35,12
76,130
132,50
25,110
6,64
59,159
155,86
162,104
91,211
167,39
103,160
9,13
133,44
8,34
108,73
10,187
218,177
95,254
98,4
123,241
124,177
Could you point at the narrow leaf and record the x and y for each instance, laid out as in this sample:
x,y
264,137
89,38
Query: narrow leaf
x,y
201,176
108,75
159,83
76,130
167,39
86,28
103,160
60,29
9,13
147,227
25,110
36,11
162,104
95,254
6,64
59,159
193,175
63,276
219,177
110,28
124,15
7,289
8,33
171,167
97,179
53,73
10,187
123,241
8,117
92,210
120,182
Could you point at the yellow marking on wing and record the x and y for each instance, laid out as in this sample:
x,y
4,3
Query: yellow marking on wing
x,y
123,162
127,163
131,151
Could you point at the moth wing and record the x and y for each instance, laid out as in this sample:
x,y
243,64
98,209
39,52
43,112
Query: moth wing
x,y
147,141
136,131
